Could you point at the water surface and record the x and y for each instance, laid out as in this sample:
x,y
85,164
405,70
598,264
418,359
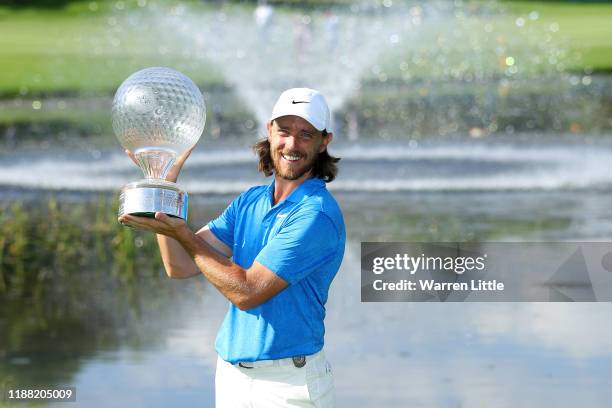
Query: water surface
x,y
479,354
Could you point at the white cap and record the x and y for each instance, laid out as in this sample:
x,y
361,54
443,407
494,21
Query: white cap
x,y
305,103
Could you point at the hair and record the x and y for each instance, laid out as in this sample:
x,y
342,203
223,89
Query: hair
x,y
324,166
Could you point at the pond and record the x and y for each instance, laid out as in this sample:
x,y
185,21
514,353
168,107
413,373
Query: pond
x,y
149,340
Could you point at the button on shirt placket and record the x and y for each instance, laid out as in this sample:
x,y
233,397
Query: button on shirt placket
x,y
269,219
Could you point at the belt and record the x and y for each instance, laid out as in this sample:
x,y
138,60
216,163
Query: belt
x,y
296,361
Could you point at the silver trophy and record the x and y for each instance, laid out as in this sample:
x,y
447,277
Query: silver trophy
x,y
158,114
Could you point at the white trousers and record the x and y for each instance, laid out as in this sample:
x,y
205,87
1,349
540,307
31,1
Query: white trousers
x,y
276,383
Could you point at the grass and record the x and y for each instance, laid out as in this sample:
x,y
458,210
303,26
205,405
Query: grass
x,y
60,67
524,37
88,49
76,50
586,28
55,57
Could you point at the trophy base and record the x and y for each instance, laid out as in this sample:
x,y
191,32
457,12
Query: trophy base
x,y
146,197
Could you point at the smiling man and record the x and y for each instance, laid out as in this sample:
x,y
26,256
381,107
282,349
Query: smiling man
x,y
286,243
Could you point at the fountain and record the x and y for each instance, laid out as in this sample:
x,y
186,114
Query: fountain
x,y
417,69
446,84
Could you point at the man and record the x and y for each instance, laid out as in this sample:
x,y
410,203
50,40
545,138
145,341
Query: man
x,y
286,241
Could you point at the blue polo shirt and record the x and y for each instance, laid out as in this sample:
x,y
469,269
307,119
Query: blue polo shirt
x,y
301,239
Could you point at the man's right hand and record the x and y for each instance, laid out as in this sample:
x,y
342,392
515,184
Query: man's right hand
x,y
176,167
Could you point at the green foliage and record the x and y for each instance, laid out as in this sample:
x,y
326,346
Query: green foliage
x,y
63,241
73,281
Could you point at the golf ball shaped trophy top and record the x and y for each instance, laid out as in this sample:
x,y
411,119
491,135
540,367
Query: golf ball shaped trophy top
x,y
158,114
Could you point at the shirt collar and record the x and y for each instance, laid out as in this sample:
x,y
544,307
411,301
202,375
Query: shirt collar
x,y
304,189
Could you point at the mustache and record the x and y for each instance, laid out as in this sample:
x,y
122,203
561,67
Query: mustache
x,y
292,153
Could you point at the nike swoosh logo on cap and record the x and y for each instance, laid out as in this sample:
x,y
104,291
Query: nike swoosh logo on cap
x,y
294,102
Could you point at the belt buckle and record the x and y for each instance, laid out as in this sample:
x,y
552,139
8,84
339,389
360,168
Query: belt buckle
x,y
299,361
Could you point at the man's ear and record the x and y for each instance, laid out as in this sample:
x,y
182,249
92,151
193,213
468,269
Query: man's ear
x,y
326,140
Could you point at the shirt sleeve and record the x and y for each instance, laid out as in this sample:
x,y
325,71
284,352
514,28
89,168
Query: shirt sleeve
x,y
308,241
223,226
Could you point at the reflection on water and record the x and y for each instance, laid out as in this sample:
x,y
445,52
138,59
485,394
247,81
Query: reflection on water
x,y
178,372
494,355
158,349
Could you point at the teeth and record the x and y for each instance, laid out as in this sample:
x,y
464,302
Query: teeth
x,y
291,157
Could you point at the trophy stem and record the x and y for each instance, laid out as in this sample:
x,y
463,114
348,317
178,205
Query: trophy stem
x,y
155,163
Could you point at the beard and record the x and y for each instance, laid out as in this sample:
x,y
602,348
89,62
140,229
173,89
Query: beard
x,y
293,172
